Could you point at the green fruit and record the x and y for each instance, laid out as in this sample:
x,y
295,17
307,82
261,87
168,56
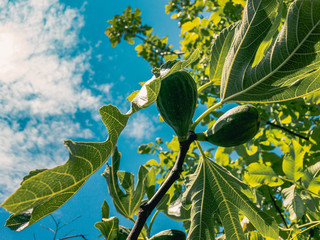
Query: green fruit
x,y
170,234
177,101
235,127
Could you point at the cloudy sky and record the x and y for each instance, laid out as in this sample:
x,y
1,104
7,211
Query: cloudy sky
x,y
56,69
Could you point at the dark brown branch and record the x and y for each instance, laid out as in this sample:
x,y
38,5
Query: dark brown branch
x,y
287,130
146,208
277,208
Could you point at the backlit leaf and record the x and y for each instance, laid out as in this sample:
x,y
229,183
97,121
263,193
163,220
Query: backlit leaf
x,y
46,191
259,174
219,51
293,161
213,190
289,68
293,202
129,202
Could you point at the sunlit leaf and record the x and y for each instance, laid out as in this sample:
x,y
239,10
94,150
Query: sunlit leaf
x,y
105,210
293,202
46,191
222,156
310,174
222,195
129,202
293,161
267,41
253,236
219,51
109,228
259,174
314,186
290,66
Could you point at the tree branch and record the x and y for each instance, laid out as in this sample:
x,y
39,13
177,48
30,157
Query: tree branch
x,y
287,130
146,208
277,208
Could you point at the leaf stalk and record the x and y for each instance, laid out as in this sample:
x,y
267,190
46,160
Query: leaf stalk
x,y
204,114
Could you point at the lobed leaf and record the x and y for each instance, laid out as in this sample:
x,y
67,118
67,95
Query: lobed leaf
x,y
289,68
109,228
129,202
43,192
214,191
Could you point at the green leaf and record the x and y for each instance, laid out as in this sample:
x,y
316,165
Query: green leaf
x,y
314,186
222,156
44,192
259,174
310,174
33,173
219,51
289,68
18,222
267,41
48,190
213,190
186,27
293,202
179,210
293,161
127,203
253,236
150,183
183,64
109,228
105,209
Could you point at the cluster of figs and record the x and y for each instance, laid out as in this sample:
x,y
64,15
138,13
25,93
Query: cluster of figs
x,y
177,102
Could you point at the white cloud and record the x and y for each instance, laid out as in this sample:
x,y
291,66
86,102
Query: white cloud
x,y
40,86
139,127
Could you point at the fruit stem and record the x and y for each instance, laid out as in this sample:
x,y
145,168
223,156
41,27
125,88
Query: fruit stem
x,y
201,137
204,86
204,114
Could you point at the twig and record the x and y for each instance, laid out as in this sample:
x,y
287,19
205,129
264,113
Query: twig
x,y
48,228
277,208
76,218
287,130
74,236
162,50
146,208
57,227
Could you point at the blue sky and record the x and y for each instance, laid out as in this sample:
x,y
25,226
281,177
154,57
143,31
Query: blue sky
x,y
57,68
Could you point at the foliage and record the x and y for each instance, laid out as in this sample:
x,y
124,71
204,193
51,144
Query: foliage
x,y
261,52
